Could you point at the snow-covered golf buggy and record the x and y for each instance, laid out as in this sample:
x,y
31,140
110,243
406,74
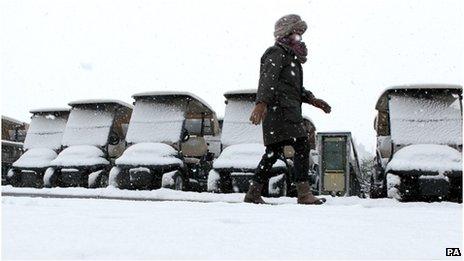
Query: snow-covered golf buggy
x,y
42,143
338,164
13,134
167,145
93,138
243,148
419,143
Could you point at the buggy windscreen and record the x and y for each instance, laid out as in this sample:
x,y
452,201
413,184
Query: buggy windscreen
x,y
45,131
425,118
237,128
158,122
89,125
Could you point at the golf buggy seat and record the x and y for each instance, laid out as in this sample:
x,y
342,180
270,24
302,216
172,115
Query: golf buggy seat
x,y
194,148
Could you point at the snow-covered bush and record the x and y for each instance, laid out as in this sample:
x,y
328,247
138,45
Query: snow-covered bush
x,y
367,165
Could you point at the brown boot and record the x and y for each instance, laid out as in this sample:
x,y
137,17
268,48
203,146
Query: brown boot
x,y
305,196
254,194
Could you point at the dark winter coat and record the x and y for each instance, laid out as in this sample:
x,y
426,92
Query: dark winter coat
x,y
281,88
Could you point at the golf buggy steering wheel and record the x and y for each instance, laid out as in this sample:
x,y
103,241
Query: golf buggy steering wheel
x,y
185,135
114,138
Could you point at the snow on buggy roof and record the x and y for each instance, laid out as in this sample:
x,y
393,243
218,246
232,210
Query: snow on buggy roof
x,y
424,86
45,110
382,101
241,93
100,101
202,105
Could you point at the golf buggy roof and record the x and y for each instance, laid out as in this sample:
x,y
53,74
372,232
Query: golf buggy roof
x,y
199,105
50,110
245,93
100,101
14,121
382,101
56,111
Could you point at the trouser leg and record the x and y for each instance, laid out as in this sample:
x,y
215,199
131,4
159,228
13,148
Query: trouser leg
x,y
273,152
301,159
301,165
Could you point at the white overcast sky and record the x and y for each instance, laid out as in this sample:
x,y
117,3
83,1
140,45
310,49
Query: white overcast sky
x,y
53,52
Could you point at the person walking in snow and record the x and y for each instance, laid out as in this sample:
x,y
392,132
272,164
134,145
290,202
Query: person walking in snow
x,y
278,106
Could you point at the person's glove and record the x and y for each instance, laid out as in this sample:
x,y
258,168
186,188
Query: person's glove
x,y
258,113
321,104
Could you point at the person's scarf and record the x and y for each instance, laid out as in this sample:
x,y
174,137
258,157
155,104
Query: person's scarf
x,y
298,47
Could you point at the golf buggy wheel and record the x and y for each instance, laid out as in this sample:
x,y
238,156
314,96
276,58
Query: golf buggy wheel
x,y
277,186
51,178
378,191
374,191
14,177
455,189
118,178
283,188
104,179
291,189
383,189
409,189
225,183
179,183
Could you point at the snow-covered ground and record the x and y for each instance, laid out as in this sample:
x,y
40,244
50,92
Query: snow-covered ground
x,y
349,228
